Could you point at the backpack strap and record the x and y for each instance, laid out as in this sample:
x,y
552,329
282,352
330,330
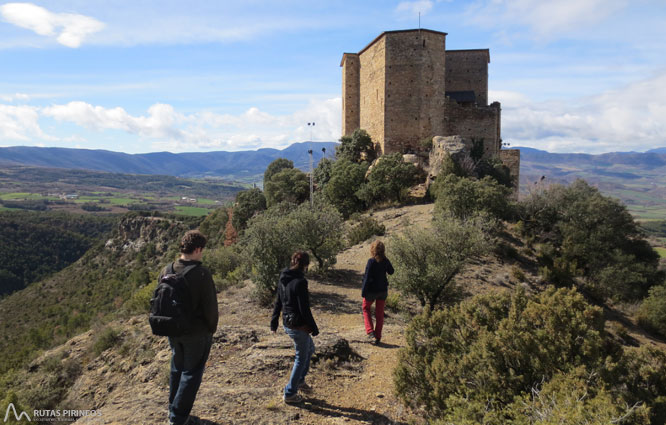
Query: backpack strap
x,y
187,269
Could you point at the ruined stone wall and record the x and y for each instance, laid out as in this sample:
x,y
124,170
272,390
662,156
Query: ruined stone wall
x,y
468,70
415,78
351,108
511,158
372,90
475,122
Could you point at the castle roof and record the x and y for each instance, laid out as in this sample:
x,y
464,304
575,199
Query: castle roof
x,y
389,32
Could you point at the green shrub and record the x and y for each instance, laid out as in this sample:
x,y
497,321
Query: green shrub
x,y
518,274
248,203
273,236
394,301
356,148
389,180
347,178
106,339
427,261
652,312
463,197
363,229
509,358
593,237
495,347
139,302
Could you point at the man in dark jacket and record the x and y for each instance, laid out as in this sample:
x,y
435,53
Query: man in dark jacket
x,y
190,351
293,299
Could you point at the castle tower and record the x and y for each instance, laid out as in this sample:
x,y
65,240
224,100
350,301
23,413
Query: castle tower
x,y
400,95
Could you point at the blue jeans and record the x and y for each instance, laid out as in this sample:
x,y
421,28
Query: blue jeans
x,y
189,355
304,347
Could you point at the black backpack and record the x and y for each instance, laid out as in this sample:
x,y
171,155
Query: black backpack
x,y
171,306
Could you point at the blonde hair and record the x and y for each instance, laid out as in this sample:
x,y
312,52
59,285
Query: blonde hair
x,y
377,250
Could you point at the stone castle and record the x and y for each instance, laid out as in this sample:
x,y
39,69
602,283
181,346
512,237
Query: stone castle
x,y
405,86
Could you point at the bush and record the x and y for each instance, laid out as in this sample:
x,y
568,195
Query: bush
x,y
289,185
652,312
107,338
273,236
268,245
214,227
495,347
347,178
363,229
427,261
463,197
593,237
356,148
248,203
318,229
389,180
509,358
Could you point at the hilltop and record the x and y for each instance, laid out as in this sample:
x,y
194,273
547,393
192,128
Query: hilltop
x,y
120,369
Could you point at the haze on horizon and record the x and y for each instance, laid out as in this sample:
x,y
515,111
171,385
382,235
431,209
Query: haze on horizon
x,y
572,75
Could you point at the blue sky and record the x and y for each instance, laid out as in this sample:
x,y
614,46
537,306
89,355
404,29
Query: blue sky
x,y
145,76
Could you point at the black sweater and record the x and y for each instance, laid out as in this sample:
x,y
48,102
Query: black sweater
x,y
202,293
374,279
293,297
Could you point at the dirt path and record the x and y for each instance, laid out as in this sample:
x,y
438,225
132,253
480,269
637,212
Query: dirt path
x,y
249,366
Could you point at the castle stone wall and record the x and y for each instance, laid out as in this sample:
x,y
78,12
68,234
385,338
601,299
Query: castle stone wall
x,y
467,70
372,90
351,86
511,158
415,64
475,123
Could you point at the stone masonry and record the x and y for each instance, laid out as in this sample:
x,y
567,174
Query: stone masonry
x,y
405,86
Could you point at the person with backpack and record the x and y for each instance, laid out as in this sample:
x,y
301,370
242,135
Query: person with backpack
x,y
293,300
184,308
375,288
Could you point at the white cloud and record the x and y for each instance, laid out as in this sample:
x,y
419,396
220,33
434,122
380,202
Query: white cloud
x,y
630,118
69,29
545,19
20,123
167,129
413,8
14,97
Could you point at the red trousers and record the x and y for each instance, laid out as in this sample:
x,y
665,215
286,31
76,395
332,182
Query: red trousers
x,y
379,316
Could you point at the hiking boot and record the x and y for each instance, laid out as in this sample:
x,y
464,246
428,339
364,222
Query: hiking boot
x,y
378,341
292,399
303,386
371,336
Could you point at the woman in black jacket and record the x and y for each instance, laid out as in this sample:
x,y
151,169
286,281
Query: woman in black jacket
x,y
375,288
293,297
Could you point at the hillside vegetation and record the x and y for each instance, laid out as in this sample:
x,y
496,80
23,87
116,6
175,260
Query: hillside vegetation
x,y
35,245
545,310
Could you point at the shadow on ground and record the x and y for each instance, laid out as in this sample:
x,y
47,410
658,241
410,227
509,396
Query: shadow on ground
x,y
344,278
323,408
335,303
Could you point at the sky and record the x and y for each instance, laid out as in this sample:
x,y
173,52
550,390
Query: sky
x,y
195,76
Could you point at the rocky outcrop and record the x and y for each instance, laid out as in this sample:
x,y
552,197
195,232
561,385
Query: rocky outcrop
x,y
444,150
135,232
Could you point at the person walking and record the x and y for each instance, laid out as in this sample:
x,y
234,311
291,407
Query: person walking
x,y
375,290
190,350
293,300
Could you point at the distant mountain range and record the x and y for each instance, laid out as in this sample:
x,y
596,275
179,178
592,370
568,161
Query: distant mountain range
x,y
242,166
638,179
